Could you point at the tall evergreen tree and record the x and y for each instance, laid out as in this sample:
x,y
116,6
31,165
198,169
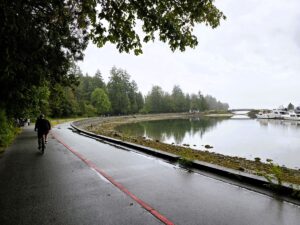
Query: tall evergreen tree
x,y
140,101
154,102
98,81
291,106
100,101
118,88
178,99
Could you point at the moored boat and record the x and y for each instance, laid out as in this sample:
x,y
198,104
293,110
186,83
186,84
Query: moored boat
x,y
293,115
264,114
279,113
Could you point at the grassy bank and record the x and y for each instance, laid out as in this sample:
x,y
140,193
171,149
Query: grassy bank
x,y
8,131
56,121
106,126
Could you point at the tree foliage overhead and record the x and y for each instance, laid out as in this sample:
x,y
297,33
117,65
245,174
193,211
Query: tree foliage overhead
x,y
172,20
39,39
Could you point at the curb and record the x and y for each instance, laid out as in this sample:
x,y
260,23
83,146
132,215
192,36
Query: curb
x,y
285,189
147,150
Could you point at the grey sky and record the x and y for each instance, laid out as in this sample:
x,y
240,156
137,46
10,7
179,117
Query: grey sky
x,y
251,60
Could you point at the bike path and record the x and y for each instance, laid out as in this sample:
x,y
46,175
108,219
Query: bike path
x,y
58,188
181,196
63,188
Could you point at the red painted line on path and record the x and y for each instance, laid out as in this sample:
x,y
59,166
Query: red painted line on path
x,y
115,183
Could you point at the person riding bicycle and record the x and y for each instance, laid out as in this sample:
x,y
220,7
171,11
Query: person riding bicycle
x,y
42,126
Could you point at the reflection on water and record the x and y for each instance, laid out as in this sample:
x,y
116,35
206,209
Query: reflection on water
x,y
240,117
268,139
165,130
285,123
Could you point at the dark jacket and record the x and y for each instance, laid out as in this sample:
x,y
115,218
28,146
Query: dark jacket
x,y
42,126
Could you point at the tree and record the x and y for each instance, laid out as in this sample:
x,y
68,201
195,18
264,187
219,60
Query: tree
x,y
194,103
100,101
202,103
118,88
140,101
172,21
39,40
214,104
187,103
132,95
63,102
291,106
97,80
42,98
178,99
167,103
89,110
155,101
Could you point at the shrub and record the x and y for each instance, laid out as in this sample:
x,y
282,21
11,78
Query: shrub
x,y
7,130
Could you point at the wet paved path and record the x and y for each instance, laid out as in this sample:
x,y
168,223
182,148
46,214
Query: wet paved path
x,y
61,188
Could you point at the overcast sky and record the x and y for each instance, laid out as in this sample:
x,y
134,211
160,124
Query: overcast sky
x,y
251,60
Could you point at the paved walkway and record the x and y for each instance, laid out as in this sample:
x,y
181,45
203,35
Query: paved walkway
x,y
61,187
58,188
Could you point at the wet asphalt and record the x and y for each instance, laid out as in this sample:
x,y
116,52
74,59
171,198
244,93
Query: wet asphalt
x,y
59,188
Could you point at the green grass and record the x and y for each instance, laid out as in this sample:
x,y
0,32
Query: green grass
x,y
57,121
8,131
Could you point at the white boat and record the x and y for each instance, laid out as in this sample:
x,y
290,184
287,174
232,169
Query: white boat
x,y
293,115
264,115
279,113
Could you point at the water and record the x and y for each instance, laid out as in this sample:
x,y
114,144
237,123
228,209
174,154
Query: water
x,y
240,136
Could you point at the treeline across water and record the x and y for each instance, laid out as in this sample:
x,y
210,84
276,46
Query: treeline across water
x,y
159,101
89,96
119,96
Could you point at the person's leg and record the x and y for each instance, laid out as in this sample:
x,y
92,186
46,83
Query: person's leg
x,y
40,136
46,137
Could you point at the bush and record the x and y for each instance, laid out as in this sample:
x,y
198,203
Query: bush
x,y
252,113
7,130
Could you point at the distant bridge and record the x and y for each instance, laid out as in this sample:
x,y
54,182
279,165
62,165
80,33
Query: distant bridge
x,y
237,110
240,111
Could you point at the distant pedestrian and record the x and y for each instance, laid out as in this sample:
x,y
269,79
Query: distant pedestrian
x,y
28,122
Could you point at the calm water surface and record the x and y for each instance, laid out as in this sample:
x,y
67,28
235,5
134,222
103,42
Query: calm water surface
x,y
248,138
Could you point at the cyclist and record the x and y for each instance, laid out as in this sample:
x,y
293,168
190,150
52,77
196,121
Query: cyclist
x,y
42,126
